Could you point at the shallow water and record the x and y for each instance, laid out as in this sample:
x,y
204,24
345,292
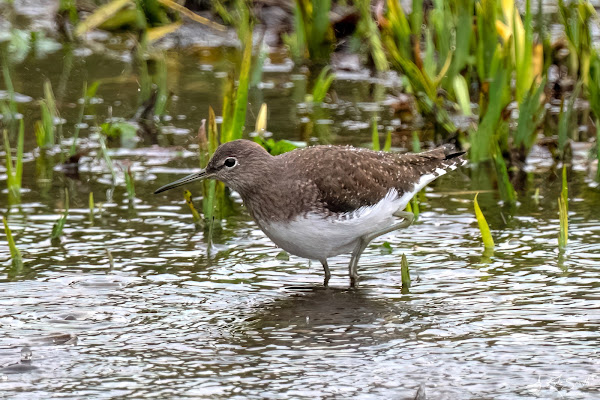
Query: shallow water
x,y
169,320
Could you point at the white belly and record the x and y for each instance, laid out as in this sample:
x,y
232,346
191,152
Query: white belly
x,y
318,238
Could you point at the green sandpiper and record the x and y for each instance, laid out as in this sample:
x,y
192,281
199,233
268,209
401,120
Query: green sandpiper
x,y
322,201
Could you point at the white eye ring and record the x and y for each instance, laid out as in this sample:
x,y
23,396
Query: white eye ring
x,y
230,162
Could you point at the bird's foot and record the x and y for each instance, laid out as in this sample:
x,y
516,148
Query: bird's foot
x,y
353,281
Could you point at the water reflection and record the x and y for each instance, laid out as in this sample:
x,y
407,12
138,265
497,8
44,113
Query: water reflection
x,y
322,318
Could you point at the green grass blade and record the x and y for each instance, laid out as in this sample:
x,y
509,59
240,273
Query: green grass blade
x,y
322,84
241,96
486,235
461,92
404,272
318,40
566,120
187,195
598,149
10,178
12,103
15,254
100,15
563,208
19,163
57,228
507,190
415,206
369,29
416,142
91,206
388,142
531,114
107,158
130,183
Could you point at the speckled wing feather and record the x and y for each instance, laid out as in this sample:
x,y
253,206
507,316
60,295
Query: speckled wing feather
x,y
348,178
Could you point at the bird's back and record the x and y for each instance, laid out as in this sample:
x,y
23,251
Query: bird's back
x,y
345,178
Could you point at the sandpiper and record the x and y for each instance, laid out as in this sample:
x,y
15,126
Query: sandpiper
x,y
322,201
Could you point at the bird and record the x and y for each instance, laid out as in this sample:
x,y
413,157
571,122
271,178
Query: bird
x,y
321,201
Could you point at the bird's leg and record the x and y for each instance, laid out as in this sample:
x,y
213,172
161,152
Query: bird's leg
x,y
353,266
327,273
408,218
364,241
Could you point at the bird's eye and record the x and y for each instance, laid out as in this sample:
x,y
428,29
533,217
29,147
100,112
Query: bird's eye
x,y
230,162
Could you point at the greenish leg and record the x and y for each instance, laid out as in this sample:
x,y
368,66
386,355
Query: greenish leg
x,y
365,240
327,273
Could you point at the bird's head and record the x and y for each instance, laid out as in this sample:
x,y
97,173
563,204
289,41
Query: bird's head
x,y
239,164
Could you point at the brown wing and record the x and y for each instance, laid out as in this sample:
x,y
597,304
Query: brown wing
x,y
348,178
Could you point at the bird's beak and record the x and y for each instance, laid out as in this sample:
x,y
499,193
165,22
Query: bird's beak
x,y
198,176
